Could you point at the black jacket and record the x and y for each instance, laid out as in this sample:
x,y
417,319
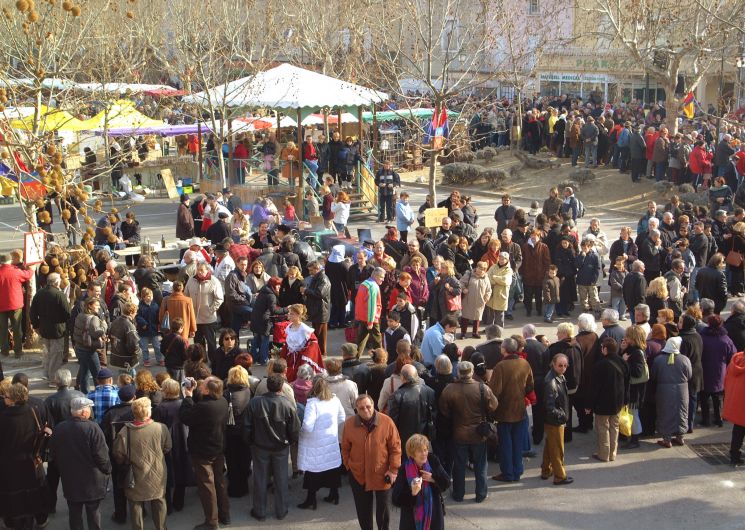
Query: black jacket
x,y
401,495
537,356
318,298
634,287
271,422
217,232
58,404
237,294
50,313
411,408
735,325
131,233
265,307
609,390
290,294
113,421
79,450
358,372
711,283
206,419
555,399
693,348
650,255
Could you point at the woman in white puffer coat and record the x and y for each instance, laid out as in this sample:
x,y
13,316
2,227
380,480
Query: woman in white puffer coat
x,y
319,455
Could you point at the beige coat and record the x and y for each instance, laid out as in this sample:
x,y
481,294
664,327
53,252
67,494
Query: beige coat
x,y
149,444
207,297
500,279
479,291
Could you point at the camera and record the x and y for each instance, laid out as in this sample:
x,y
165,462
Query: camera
x,y
189,383
387,479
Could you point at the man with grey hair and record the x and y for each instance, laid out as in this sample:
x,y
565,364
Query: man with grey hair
x,y
367,310
535,352
12,278
58,405
82,457
735,325
634,287
511,381
50,313
708,308
462,403
611,328
651,253
641,317
412,407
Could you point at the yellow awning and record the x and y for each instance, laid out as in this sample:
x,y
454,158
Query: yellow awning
x,y
50,119
121,113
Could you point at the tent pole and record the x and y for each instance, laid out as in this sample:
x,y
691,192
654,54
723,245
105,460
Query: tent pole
x,y
338,122
326,123
200,155
228,140
375,143
300,183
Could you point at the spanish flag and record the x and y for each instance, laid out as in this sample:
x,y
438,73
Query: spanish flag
x,y
688,106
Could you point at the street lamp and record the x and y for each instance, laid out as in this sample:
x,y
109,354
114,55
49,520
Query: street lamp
x,y
740,80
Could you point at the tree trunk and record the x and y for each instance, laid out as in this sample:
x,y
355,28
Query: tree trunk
x,y
673,108
433,155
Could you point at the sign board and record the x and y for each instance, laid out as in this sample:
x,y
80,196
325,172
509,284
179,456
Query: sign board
x,y
433,216
34,247
169,183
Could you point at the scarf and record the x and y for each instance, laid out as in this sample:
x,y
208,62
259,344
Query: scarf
x,y
205,277
369,424
423,507
671,358
491,257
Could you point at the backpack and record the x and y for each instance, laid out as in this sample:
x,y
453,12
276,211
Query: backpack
x,y
580,209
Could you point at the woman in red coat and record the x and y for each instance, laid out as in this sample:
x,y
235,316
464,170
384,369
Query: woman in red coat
x,y
734,405
699,162
301,344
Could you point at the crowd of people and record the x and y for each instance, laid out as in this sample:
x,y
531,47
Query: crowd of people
x,y
405,412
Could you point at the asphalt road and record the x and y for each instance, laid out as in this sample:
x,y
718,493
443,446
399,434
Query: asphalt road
x,y
645,488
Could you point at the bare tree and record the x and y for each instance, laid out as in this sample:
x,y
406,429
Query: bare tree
x,y
669,38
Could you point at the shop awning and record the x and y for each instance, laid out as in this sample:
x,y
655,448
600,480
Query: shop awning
x,y
161,130
120,114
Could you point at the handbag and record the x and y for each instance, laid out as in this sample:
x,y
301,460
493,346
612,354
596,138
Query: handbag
x,y
625,419
41,442
127,477
486,428
642,378
734,258
166,322
453,302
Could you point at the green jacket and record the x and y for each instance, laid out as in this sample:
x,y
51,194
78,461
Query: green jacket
x,y
50,312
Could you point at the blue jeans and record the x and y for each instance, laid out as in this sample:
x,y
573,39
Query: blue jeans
x,y
591,154
659,171
155,341
548,311
88,363
619,305
241,314
312,166
510,449
692,292
478,456
575,155
260,348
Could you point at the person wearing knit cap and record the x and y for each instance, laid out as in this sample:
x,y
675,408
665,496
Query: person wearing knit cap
x,y
670,372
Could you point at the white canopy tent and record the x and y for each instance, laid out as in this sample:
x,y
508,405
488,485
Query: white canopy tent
x,y
317,119
288,87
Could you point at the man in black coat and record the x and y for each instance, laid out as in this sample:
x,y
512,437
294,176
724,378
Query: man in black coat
x,y
58,406
317,295
651,252
608,394
207,417
353,368
219,230
492,348
711,282
50,313
634,287
264,310
537,356
611,328
79,449
113,422
412,406
271,426
735,325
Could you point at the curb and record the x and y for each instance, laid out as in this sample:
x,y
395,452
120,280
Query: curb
x,y
498,195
